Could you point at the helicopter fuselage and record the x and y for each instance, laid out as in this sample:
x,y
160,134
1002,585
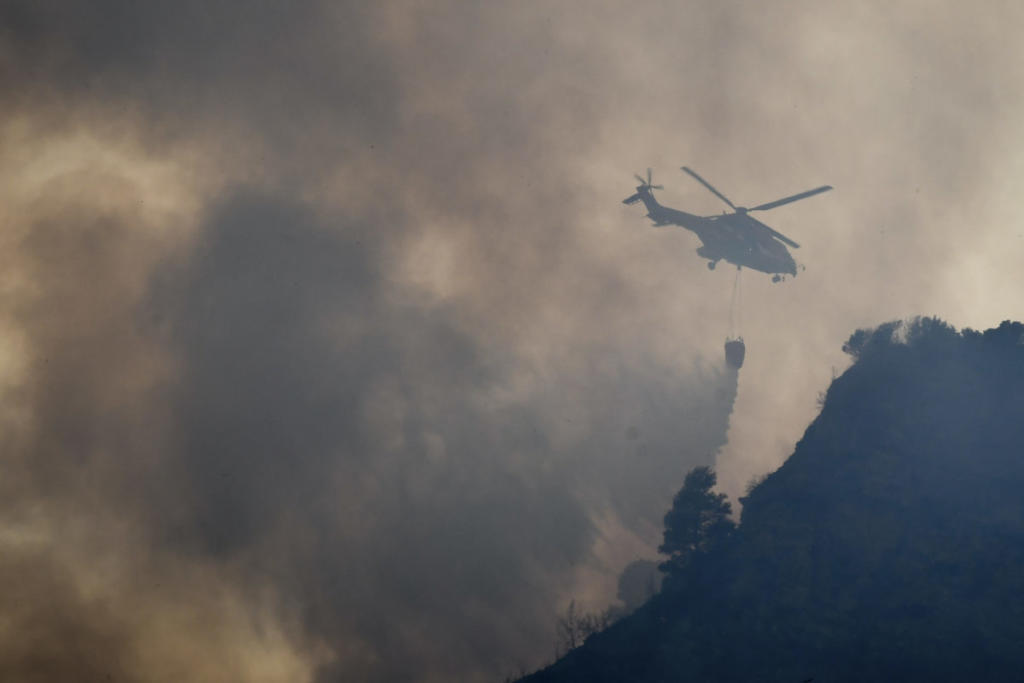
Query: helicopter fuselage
x,y
733,237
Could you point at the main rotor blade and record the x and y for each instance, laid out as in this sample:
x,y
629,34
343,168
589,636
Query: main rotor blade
x,y
775,233
637,176
648,176
710,187
787,200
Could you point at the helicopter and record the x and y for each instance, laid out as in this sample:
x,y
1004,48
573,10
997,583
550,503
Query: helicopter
x,y
736,237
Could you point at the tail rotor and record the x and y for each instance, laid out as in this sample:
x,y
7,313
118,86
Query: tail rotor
x,y
644,186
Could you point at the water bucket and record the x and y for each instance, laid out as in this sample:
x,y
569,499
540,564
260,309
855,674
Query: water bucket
x,y
735,352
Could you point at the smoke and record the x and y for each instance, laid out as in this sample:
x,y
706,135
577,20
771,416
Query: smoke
x,y
47,609
328,345
354,444
270,416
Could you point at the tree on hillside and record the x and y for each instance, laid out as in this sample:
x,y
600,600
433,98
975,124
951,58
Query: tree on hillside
x,y
888,547
576,626
697,521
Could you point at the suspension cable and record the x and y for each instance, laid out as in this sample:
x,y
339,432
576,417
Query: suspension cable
x,y
735,307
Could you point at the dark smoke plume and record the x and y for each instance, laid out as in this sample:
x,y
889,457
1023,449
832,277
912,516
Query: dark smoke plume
x,y
326,336
270,412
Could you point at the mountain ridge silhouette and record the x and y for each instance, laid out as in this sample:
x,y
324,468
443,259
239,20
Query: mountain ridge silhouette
x,y
889,546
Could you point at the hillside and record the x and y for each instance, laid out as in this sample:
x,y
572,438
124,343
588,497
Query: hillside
x,y
889,546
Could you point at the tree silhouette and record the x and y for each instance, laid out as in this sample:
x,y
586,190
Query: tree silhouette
x,y
697,521
574,627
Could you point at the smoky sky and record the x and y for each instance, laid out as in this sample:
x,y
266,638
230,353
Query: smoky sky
x,y
339,442
329,345
357,411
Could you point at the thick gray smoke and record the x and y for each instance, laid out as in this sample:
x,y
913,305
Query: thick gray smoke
x,y
328,349
330,439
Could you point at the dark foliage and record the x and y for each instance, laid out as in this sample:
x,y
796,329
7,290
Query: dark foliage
x,y
697,523
889,547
